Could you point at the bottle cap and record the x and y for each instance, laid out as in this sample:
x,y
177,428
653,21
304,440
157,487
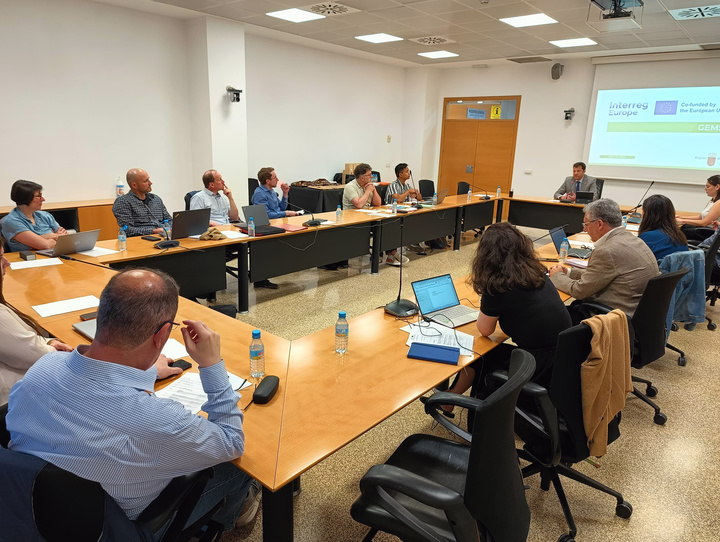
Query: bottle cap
x,y
565,239
342,314
256,334
251,219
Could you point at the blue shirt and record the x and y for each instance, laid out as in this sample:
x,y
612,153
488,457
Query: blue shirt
x,y
16,222
219,205
103,422
661,244
271,200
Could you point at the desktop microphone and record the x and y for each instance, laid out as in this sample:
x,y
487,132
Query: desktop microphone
x,y
632,212
548,233
485,197
313,221
401,308
66,257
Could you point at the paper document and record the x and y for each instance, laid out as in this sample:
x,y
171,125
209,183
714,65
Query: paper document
x,y
432,333
174,349
98,251
188,390
574,262
67,305
42,262
632,227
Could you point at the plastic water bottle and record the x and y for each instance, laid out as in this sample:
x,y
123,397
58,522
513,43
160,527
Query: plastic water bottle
x,y
624,218
257,356
469,198
166,228
122,238
341,333
564,246
251,227
394,208
119,187
434,200
338,214
498,193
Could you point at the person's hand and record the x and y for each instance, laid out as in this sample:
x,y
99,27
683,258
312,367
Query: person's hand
x,y
226,190
60,346
285,188
714,224
158,230
51,236
557,269
679,220
290,213
61,231
571,196
369,187
201,342
162,364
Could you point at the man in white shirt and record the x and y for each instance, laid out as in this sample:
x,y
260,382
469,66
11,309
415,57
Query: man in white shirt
x,y
222,205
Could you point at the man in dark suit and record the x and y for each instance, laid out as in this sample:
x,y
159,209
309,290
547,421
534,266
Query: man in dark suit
x,y
578,182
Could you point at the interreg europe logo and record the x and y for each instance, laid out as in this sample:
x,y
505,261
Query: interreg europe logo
x,y
668,107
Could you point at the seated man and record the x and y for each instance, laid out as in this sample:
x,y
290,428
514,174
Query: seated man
x,y
142,212
619,268
397,189
578,182
265,195
93,411
222,206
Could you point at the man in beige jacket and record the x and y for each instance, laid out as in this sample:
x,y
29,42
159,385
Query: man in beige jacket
x,y
619,268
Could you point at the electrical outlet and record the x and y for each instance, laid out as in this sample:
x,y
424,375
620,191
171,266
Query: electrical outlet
x,y
389,139
528,171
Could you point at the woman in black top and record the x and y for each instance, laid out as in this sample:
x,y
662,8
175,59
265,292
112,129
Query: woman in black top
x,y
516,293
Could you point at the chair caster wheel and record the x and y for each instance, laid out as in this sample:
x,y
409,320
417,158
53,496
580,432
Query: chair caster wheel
x,y
651,391
624,510
660,418
712,326
674,327
682,361
566,538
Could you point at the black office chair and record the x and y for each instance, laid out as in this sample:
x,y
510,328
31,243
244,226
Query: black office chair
x,y
337,178
433,489
252,185
712,287
599,184
649,332
382,191
42,502
427,188
550,424
462,188
188,197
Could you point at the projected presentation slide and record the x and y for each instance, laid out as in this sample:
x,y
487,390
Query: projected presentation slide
x,y
657,128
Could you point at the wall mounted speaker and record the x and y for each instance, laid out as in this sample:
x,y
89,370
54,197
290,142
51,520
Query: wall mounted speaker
x,y
556,71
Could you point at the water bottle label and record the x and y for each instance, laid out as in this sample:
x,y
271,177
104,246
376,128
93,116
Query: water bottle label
x,y
257,354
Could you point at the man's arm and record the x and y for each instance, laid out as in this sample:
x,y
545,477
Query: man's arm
x,y
263,197
368,192
233,213
600,272
561,191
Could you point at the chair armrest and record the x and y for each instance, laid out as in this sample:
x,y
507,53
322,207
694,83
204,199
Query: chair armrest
x,y
433,407
590,308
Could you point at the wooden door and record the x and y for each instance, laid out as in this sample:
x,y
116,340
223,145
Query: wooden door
x,y
457,154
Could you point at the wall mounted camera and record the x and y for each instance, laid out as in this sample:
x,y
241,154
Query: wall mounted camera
x,y
569,113
233,93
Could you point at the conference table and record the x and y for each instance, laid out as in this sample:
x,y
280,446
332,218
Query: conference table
x,y
324,400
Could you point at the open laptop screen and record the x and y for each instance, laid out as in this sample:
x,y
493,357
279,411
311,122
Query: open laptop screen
x,y
435,294
557,235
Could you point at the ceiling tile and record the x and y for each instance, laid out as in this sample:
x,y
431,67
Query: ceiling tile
x,y
665,43
359,18
265,21
510,10
486,26
397,13
258,6
367,5
439,6
230,12
615,37
460,17
426,21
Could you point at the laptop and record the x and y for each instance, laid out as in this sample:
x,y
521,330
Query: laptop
x,y
438,299
440,197
71,243
262,222
584,197
558,234
187,223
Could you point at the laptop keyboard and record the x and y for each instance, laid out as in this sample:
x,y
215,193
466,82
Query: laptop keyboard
x,y
458,311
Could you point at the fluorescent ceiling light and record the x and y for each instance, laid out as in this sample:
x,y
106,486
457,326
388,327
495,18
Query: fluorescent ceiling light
x,y
528,20
295,15
378,38
576,42
438,54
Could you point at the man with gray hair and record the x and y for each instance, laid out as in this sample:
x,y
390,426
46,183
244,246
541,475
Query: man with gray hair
x,y
93,411
619,267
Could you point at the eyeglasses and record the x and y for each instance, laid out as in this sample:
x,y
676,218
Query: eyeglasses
x,y
586,224
173,326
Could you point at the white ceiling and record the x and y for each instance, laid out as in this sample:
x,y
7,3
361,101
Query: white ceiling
x,y
473,26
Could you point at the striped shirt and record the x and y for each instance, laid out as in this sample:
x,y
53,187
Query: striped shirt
x,y
102,421
141,217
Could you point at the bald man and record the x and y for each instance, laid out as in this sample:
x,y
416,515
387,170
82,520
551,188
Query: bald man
x,y
142,212
93,411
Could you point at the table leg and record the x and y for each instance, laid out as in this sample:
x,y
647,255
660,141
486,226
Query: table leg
x,y
458,228
278,514
375,255
243,279
499,211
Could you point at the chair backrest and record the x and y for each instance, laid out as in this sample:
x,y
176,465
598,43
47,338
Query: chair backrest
x,y
382,190
188,197
427,188
463,188
599,183
710,257
4,434
648,322
337,178
494,492
376,177
252,185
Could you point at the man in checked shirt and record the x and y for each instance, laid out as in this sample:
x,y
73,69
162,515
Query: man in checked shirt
x,y
142,212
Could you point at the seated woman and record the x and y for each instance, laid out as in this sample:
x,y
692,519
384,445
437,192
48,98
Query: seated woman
x,y
517,293
694,226
658,227
21,339
26,227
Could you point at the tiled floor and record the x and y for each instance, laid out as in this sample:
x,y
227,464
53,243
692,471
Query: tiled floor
x,y
665,472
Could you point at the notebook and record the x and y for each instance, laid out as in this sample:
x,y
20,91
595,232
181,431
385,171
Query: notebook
x,y
438,300
72,242
261,219
187,223
440,197
558,234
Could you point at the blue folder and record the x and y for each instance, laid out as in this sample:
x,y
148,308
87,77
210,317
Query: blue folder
x,y
434,352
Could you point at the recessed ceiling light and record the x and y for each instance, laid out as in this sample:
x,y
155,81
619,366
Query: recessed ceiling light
x,y
295,15
438,54
576,42
528,20
480,102
459,101
378,38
